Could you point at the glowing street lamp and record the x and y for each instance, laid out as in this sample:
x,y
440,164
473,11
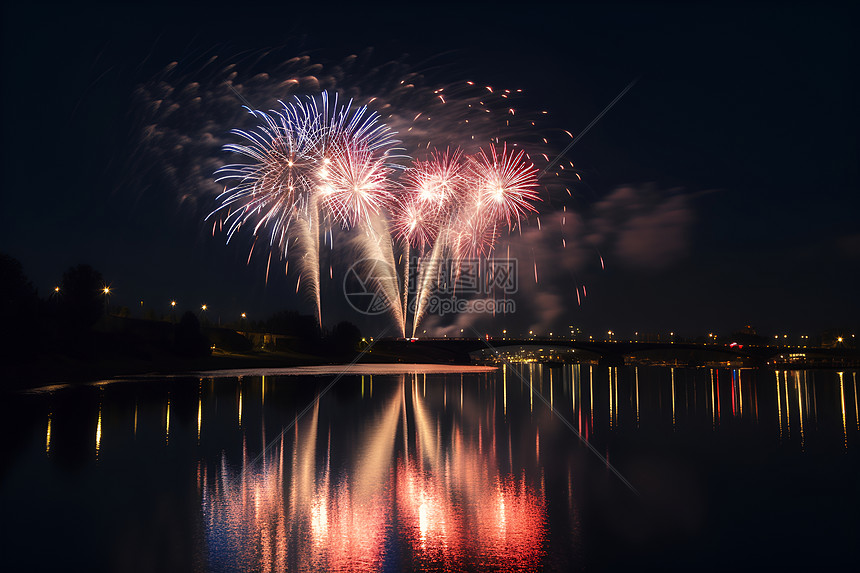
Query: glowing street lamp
x,y
105,290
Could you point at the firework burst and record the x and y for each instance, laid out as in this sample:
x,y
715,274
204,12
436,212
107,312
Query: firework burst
x,y
315,164
414,223
505,184
312,153
354,184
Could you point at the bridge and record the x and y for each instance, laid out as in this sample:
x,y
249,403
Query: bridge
x,y
459,349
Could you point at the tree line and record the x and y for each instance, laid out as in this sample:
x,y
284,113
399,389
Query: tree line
x,y
64,321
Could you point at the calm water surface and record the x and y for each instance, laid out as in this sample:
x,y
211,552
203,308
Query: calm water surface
x,y
434,469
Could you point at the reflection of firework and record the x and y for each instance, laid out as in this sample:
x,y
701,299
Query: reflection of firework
x,y
445,497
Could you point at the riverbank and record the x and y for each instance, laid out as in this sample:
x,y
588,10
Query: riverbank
x,y
57,369
46,370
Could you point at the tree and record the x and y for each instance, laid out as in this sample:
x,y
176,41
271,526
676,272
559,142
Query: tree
x,y
345,337
190,342
19,305
81,302
291,323
17,293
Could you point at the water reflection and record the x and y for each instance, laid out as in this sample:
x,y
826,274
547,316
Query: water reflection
x,y
405,475
99,432
439,489
48,436
842,398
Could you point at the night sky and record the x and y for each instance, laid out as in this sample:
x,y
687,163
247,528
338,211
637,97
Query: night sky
x,y
721,191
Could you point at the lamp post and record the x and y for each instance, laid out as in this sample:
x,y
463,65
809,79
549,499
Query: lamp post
x,y
106,291
173,311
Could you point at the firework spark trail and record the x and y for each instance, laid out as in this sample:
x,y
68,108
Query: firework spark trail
x,y
312,260
375,245
427,277
404,284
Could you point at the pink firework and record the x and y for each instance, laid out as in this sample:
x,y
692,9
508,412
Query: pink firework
x,y
439,181
354,184
415,222
473,236
506,184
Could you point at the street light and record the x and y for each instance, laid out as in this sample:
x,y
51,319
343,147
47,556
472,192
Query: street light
x,y
106,291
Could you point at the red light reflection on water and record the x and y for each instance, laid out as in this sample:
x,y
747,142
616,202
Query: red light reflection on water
x,y
446,501
501,525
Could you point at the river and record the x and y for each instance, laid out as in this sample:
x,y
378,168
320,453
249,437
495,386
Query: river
x,y
434,468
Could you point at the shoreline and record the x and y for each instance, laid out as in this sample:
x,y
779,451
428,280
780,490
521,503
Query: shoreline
x,y
51,370
59,370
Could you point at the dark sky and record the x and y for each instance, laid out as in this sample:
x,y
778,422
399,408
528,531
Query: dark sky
x,y
722,190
